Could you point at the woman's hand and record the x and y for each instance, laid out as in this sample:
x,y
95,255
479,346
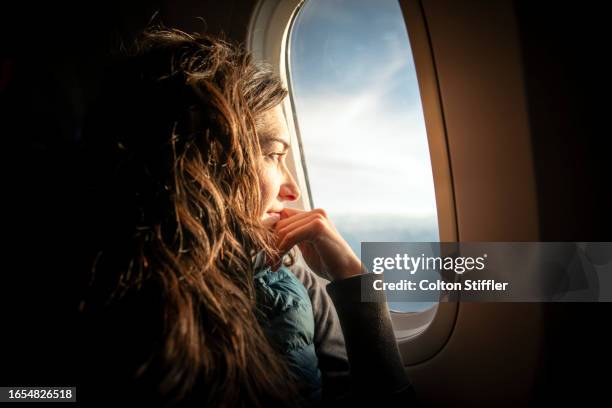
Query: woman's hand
x,y
324,250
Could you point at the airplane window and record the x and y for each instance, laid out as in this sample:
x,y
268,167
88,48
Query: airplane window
x,y
356,97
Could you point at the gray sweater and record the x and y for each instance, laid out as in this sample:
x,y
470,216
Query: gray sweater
x,y
354,341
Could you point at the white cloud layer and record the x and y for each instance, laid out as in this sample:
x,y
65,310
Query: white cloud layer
x,y
363,153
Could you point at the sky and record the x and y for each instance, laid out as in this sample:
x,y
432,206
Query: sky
x,y
361,123
359,109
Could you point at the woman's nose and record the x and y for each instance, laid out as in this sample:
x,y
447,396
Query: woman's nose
x,y
289,190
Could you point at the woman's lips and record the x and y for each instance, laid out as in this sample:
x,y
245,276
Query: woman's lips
x,y
271,218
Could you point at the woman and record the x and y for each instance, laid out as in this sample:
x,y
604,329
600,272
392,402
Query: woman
x,y
190,299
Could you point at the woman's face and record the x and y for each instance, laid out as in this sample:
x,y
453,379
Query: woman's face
x,y
276,182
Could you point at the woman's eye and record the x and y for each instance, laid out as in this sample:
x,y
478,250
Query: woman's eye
x,y
275,156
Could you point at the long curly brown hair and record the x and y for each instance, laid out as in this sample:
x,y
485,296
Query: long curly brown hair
x,y
173,157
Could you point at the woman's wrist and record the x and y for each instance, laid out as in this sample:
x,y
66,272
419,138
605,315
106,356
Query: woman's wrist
x,y
352,270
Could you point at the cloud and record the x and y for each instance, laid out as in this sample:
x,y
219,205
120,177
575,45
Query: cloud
x,y
359,110
353,144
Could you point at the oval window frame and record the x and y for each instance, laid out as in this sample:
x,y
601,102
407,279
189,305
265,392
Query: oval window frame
x,y
420,336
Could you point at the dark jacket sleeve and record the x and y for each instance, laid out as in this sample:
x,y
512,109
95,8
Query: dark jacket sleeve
x,y
329,341
377,372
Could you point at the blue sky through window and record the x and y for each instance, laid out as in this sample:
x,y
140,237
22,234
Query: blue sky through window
x,y
361,121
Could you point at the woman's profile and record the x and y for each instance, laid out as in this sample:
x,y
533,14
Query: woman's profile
x,y
194,297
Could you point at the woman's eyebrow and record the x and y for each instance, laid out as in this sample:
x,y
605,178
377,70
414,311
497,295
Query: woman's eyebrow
x,y
267,140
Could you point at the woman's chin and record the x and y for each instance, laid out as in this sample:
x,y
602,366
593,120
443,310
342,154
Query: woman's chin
x,y
270,219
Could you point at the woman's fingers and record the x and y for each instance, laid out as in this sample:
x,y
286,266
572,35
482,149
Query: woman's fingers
x,y
291,215
306,231
287,219
323,248
302,219
297,222
292,211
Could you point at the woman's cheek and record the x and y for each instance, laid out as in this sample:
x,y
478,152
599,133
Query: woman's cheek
x,y
267,186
